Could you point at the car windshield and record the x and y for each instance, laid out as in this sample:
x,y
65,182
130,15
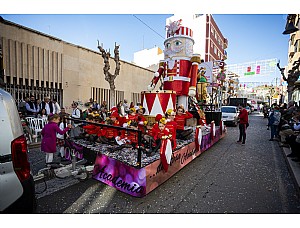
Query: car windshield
x,y
228,109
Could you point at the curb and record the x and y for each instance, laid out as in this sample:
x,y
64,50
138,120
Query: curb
x,y
294,167
34,145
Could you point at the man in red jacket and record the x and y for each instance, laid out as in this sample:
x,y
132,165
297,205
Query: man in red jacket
x,y
243,124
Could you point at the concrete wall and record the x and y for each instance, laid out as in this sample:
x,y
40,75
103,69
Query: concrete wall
x,y
29,54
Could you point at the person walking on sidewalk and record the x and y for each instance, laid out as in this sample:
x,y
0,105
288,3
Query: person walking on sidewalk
x,y
243,124
274,120
48,144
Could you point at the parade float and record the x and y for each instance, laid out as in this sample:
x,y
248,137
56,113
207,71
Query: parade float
x,y
184,83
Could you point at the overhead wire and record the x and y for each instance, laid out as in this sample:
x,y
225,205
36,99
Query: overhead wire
x,y
148,26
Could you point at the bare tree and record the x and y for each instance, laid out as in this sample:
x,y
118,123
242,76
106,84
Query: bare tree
x,y
293,75
109,77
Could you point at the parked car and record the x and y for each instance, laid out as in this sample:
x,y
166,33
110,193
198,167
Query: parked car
x,y
17,191
230,115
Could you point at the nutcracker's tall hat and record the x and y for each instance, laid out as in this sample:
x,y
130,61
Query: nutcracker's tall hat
x,y
174,29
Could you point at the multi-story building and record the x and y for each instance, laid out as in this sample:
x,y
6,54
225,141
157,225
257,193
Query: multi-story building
x,y
209,40
42,65
292,71
148,57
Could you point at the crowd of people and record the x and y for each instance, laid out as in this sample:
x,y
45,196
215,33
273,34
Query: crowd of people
x,y
284,123
62,125
170,125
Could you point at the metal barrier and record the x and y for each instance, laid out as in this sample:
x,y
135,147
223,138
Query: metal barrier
x,y
139,158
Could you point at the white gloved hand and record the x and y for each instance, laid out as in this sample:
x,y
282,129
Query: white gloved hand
x,y
192,91
156,74
149,87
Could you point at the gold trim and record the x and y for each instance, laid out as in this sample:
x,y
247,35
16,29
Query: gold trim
x,y
159,91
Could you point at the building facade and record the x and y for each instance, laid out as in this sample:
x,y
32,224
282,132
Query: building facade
x,y
42,65
294,59
148,57
209,40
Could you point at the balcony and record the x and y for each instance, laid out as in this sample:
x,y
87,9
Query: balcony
x,y
291,54
225,43
225,55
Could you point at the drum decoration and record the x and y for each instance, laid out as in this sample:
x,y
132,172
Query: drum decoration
x,y
158,102
198,138
166,153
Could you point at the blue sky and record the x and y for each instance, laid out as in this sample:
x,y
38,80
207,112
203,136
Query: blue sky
x,y
251,36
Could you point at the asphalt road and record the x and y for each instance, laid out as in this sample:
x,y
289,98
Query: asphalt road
x,y
228,178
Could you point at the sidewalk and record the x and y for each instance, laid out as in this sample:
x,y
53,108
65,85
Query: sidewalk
x,y
293,166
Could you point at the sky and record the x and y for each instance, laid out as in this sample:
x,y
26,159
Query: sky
x,y
251,37
253,33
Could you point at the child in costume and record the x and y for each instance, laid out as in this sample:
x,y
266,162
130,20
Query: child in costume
x,y
132,116
127,139
141,119
60,139
148,136
107,134
162,133
92,130
180,119
172,126
48,144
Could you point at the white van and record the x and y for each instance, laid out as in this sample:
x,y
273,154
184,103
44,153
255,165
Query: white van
x,y
17,192
230,115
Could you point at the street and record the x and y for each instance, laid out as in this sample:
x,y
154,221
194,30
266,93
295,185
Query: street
x,y
228,178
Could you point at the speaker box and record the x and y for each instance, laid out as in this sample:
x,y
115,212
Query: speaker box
x,y
213,116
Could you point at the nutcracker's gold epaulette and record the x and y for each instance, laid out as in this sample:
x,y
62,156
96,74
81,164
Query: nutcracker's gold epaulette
x,y
196,59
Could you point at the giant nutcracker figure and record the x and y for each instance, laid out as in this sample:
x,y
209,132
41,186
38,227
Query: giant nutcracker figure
x,y
179,68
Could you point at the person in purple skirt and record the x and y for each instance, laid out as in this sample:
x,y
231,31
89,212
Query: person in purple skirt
x,y
49,132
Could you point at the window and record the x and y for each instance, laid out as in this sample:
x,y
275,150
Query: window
x,y
292,39
296,46
215,50
228,110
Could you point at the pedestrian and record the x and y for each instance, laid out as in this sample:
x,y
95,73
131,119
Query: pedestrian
x,y
49,132
126,106
95,105
60,139
22,106
56,106
32,108
104,105
76,114
63,113
274,120
243,124
121,109
48,105
42,114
